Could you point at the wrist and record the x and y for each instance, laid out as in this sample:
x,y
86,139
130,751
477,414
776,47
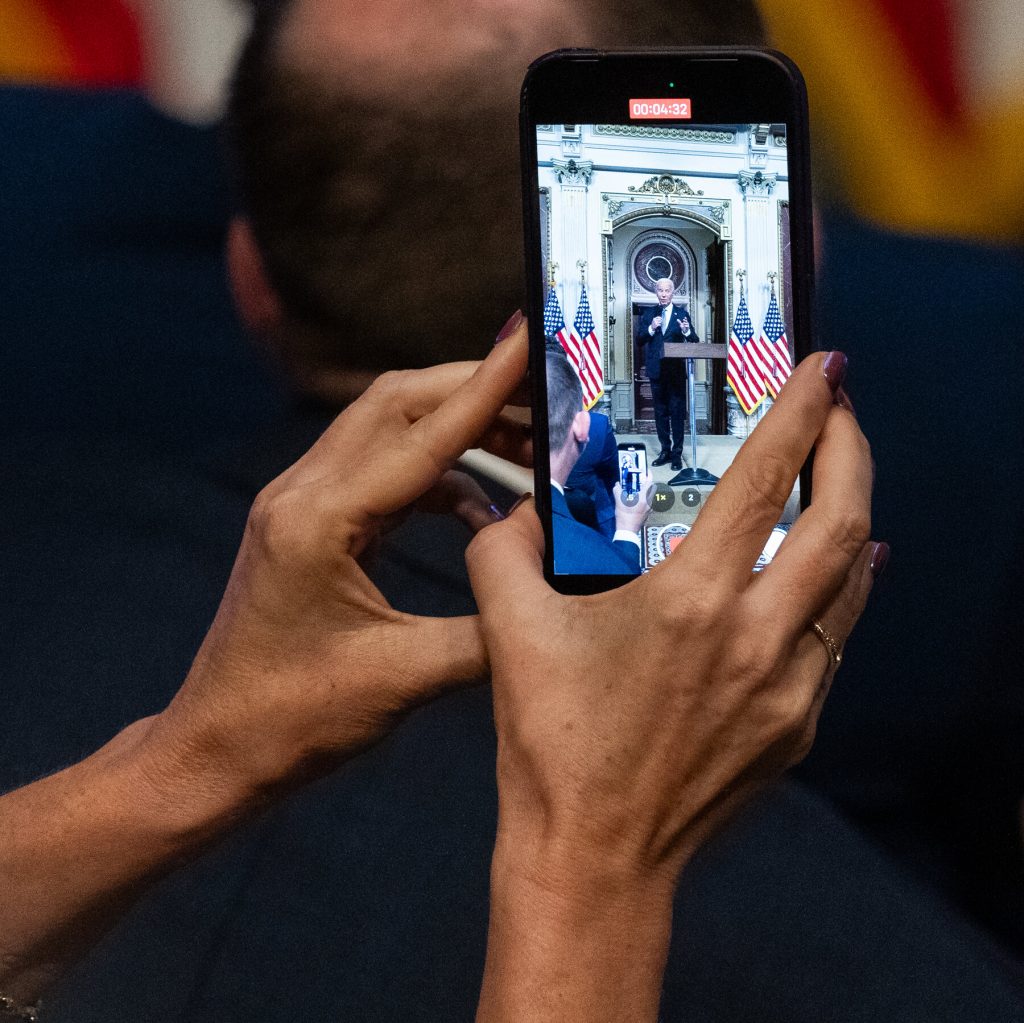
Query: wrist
x,y
86,841
573,934
196,788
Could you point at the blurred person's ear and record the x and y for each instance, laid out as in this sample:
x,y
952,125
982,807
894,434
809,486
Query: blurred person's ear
x,y
255,298
581,427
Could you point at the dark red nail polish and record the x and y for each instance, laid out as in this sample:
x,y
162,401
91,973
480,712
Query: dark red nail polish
x,y
834,370
513,323
879,559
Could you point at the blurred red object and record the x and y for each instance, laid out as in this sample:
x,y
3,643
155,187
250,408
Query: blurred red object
x,y
67,42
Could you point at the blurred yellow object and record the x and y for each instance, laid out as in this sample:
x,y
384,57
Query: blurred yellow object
x,y
907,141
31,47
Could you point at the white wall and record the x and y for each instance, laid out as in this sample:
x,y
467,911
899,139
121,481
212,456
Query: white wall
x,y
584,208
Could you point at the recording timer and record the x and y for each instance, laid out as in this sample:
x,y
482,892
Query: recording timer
x,y
656,109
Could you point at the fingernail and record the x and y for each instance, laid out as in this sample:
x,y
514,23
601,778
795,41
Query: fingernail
x,y
499,515
843,400
513,323
879,559
834,370
525,497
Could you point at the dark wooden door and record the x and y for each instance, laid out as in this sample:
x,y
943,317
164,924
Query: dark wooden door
x,y
643,397
718,333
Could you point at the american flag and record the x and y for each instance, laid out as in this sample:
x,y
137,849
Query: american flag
x,y
554,321
745,372
773,338
580,344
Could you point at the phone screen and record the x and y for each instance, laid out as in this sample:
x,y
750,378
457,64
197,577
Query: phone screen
x,y
632,469
668,315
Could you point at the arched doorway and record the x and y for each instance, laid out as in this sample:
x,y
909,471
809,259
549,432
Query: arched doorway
x,y
644,246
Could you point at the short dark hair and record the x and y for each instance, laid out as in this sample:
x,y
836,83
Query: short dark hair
x,y
565,398
340,189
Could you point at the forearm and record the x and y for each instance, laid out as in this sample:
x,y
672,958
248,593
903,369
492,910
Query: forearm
x,y
572,941
77,848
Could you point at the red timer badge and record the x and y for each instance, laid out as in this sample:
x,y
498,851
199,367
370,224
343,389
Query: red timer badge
x,y
673,108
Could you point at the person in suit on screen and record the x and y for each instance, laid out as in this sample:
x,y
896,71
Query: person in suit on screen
x,y
658,324
579,549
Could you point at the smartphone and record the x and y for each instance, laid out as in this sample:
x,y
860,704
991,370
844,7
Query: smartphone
x,y
632,467
670,281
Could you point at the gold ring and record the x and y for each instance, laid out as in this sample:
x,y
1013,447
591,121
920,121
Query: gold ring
x,y
835,654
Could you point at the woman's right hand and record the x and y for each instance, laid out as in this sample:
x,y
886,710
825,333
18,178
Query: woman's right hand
x,y
632,723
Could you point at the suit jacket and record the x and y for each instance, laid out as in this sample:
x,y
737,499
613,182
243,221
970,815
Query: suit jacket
x,y
580,550
656,344
588,490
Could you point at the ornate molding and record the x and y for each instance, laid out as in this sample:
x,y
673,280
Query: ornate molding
x,y
779,140
698,214
573,172
708,211
666,185
651,132
614,206
716,213
757,183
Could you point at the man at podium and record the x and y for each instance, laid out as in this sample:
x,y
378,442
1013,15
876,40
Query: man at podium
x,y
659,324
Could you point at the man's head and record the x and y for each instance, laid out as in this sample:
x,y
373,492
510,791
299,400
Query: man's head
x,y
664,289
377,143
568,421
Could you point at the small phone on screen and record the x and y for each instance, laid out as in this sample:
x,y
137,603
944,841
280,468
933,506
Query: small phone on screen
x,y
670,276
632,468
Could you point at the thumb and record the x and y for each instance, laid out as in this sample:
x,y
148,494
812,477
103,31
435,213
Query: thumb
x,y
438,654
506,561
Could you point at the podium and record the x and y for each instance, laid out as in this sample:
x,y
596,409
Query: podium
x,y
693,475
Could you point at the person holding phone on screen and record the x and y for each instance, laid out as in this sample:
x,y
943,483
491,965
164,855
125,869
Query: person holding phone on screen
x,y
579,547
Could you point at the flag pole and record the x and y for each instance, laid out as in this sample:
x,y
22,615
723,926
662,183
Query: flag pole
x,y
692,475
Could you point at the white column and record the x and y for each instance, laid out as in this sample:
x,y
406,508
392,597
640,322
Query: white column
x,y
761,239
573,177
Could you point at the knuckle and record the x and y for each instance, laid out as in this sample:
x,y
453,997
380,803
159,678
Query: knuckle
x,y
849,530
274,525
769,479
786,711
804,741
388,386
697,612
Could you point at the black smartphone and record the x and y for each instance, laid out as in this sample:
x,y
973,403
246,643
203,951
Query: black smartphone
x,y
670,282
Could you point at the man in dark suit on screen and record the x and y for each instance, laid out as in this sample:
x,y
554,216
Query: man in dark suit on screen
x,y
579,549
659,324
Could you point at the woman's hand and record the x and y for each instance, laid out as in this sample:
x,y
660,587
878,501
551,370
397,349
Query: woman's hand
x,y
306,662
632,723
